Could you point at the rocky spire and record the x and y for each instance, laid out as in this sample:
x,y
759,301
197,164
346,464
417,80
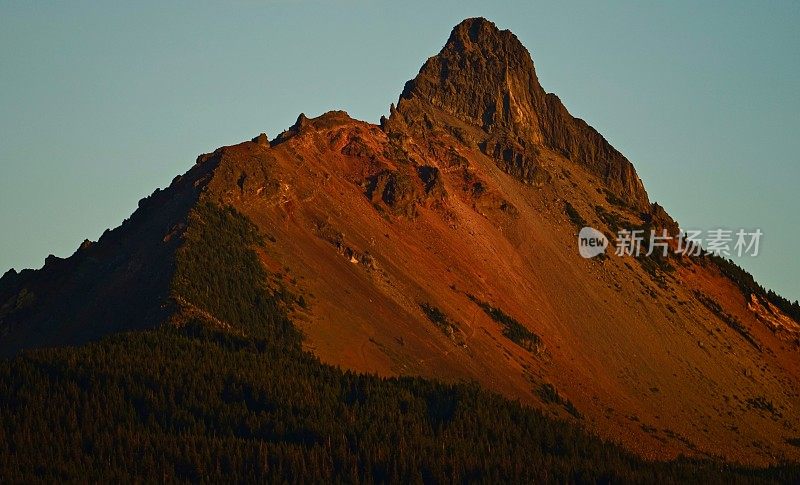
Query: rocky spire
x,y
485,77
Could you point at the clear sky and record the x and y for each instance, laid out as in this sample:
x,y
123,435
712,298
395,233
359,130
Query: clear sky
x,y
102,102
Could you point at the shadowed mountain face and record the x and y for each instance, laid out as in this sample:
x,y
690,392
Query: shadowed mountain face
x,y
119,283
442,244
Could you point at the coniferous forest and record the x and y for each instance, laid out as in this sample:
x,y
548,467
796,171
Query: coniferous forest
x,y
197,401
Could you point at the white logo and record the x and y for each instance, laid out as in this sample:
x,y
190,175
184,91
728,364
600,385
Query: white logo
x,y
591,242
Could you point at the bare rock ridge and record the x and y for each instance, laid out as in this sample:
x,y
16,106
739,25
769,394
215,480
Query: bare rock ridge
x,y
485,78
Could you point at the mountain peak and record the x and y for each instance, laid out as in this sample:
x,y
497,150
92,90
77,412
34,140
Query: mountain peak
x,y
485,77
482,75
480,33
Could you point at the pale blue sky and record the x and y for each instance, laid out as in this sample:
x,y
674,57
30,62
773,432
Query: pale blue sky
x,y
102,102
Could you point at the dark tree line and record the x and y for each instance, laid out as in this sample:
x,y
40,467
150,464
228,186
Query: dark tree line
x,y
748,286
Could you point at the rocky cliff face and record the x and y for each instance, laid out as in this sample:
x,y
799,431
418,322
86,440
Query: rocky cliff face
x,y
485,78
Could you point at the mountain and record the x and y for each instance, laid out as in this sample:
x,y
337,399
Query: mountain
x,y
437,246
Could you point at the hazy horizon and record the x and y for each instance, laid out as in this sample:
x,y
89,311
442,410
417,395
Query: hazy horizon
x,y
103,104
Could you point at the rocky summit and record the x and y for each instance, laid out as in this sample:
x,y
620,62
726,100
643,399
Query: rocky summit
x,y
485,79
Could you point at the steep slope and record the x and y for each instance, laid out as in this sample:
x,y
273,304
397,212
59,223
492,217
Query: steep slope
x,y
422,257
442,244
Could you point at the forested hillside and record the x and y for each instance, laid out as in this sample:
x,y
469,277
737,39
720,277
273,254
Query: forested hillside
x,y
234,397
